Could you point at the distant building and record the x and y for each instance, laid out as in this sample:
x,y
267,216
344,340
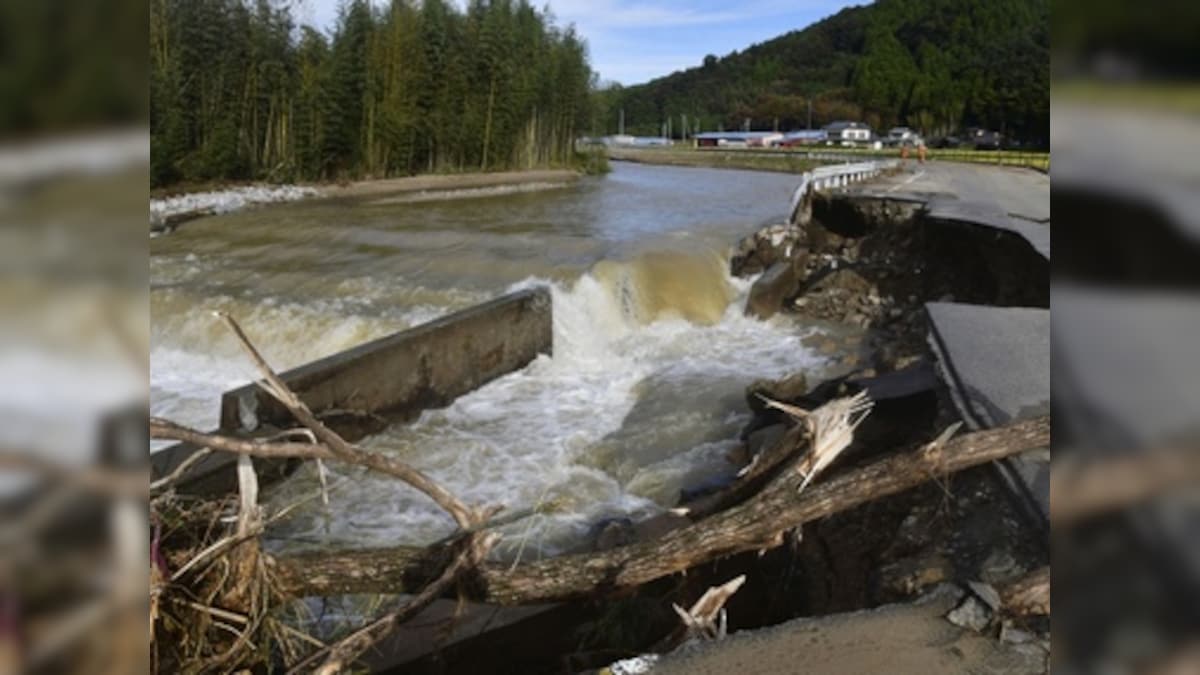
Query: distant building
x,y
644,141
806,137
848,133
641,141
737,139
619,139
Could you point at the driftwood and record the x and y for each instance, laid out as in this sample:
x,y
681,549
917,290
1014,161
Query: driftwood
x,y
769,500
464,515
251,587
1029,595
752,525
706,617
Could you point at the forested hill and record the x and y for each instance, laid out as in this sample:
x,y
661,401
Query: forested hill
x,y
936,65
238,91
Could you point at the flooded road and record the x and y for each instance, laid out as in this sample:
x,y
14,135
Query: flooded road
x,y
651,352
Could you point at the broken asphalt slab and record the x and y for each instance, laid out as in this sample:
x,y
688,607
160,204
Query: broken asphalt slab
x,y
995,362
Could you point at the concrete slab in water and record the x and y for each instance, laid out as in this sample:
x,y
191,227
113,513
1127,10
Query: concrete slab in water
x,y
394,377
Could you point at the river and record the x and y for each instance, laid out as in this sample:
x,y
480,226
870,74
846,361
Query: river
x,y
643,394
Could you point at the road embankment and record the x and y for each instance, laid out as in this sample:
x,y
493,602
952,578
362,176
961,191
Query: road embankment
x,y
714,159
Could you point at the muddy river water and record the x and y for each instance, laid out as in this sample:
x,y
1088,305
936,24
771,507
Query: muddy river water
x,y
644,391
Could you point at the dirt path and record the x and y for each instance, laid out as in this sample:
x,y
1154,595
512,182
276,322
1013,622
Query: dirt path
x,y
911,638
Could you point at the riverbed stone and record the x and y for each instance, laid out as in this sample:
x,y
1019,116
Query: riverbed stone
x,y
971,614
771,290
612,533
787,389
764,438
762,249
913,575
843,279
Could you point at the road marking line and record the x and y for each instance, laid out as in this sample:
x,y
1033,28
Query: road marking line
x,y
910,179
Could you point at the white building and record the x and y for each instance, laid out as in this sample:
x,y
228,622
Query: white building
x,y
848,133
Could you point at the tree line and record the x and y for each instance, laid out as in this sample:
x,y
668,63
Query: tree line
x,y
239,91
935,65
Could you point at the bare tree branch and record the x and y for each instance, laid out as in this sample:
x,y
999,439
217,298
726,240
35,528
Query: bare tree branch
x,y
464,515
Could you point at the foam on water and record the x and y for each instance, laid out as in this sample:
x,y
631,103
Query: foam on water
x,y
636,402
193,358
224,201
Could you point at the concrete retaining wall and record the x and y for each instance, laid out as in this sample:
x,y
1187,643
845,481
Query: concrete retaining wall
x,y
395,377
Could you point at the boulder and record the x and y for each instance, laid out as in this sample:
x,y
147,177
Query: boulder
x,y
768,294
972,614
846,280
610,533
764,438
787,389
764,248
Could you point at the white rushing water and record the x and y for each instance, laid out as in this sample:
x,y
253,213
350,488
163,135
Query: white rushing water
x,y
636,403
644,392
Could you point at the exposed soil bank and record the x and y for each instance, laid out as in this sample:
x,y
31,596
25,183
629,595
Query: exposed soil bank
x,y
714,159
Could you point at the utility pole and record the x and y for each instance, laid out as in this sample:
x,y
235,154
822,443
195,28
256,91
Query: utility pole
x,y
621,124
810,114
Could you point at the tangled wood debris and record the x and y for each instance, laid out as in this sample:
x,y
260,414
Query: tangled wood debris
x,y
707,617
223,602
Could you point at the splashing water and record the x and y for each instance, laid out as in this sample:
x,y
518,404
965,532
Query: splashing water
x,y
643,393
636,402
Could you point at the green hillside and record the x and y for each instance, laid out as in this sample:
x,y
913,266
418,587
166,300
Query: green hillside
x,y
936,65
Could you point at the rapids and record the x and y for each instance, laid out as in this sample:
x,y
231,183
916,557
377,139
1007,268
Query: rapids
x,y
642,396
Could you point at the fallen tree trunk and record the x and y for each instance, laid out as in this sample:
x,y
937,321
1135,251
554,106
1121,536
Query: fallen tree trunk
x,y
755,524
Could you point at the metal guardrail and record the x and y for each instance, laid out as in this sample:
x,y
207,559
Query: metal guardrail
x,y
835,175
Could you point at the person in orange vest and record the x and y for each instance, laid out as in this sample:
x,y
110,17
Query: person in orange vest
x,y
903,153
921,151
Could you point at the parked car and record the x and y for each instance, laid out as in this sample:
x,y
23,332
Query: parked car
x,y
984,139
947,142
898,136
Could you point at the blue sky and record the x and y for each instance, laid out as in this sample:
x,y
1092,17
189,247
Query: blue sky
x,y
632,42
